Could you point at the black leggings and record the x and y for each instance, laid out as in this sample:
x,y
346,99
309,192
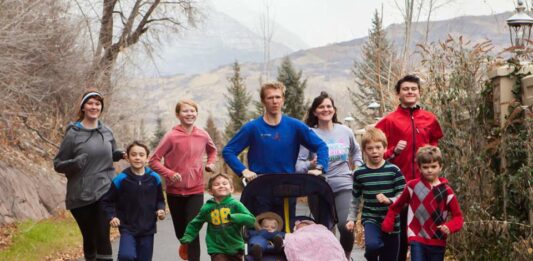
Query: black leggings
x,y
183,209
94,228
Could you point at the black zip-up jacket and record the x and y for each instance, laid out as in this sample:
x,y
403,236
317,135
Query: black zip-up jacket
x,y
134,200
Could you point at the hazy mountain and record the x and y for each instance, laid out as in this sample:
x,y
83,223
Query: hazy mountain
x,y
326,68
218,40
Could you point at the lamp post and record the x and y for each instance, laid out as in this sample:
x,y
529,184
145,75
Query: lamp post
x,y
520,29
374,106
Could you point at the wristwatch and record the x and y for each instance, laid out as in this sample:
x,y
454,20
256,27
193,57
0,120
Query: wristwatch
x,y
319,167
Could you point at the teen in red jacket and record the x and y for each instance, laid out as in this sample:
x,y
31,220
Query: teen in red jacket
x,y
434,211
407,129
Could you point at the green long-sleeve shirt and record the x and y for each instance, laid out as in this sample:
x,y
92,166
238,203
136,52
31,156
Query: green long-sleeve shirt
x,y
224,227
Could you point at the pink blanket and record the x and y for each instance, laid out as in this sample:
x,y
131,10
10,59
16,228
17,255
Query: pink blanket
x,y
311,243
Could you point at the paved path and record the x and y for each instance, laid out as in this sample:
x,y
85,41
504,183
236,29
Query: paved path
x,y
166,244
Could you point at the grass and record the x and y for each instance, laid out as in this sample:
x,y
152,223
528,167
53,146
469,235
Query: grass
x,y
41,240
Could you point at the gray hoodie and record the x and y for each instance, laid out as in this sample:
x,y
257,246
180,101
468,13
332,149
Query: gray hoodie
x,y
86,158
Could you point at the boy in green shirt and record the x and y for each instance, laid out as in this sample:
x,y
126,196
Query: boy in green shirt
x,y
226,217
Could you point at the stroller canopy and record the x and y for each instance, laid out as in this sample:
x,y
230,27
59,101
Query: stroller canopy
x,y
292,186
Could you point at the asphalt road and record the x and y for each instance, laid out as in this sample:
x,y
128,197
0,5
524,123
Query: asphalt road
x,y
166,244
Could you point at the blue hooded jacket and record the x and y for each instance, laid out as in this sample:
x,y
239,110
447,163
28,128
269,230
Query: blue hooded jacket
x,y
134,200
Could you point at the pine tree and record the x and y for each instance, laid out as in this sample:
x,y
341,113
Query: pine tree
x,y
238,100
375,74
259,109
158,134
214,133
294,94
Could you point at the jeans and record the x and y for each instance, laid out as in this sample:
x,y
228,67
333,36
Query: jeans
x,y
380,245
423,252
139,248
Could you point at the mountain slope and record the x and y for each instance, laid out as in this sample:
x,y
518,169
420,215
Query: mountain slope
x,y
326,68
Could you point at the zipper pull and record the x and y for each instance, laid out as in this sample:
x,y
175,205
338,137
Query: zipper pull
x,y
139,182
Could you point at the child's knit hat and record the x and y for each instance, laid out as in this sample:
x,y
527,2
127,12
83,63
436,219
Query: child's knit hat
x,y
269,215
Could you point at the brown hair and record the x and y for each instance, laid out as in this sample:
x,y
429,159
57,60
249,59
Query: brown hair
x,y
428,154
310,118
188,102
137,143
407,78
271,85
373,134
212,179
97,96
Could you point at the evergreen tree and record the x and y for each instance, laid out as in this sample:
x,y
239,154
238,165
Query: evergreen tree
x,y
259,109
238,100
214,133
158,134
294,94
375,75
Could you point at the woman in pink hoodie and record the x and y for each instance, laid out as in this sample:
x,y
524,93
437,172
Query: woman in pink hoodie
x,y
179,159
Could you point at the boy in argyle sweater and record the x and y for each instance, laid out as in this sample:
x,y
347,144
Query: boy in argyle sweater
x,y
431,202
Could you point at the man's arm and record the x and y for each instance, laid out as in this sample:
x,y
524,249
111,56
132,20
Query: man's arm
x,y
235,146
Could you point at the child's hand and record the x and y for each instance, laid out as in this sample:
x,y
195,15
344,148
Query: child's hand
x,y
350,226
400,146
387,226
161,214
383,199
445,229
210,167
115,222
175,178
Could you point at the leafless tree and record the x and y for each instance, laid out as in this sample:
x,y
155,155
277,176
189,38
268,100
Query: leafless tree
x,y
266,27
124,23
40,57
433,6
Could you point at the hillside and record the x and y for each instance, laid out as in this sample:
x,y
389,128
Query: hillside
x,y
218,39
326,68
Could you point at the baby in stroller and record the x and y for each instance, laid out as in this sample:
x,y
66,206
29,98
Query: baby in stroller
x,y
311,241
267,236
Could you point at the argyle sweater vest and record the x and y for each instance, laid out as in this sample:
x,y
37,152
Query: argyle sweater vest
x,y
429,207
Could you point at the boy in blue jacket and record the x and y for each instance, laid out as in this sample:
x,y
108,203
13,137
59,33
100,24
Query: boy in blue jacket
x,y
133,204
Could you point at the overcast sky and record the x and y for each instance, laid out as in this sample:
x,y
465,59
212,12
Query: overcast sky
x,y
320,22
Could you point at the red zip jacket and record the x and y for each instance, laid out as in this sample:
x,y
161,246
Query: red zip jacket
x,y
414,125
429,207
184,153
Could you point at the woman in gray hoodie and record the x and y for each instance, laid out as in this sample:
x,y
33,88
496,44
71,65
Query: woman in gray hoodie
x,y
86,158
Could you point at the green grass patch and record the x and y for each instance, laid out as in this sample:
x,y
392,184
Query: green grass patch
x,y
40,240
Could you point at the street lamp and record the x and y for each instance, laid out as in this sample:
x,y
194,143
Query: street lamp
x,y
520,28
374,106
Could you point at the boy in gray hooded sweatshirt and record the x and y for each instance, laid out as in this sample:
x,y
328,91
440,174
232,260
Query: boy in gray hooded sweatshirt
x,y
86,158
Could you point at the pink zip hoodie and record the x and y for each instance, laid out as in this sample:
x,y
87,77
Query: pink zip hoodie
x,y
184,153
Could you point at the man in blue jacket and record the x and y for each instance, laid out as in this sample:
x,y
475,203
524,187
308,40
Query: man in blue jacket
x,y
273,142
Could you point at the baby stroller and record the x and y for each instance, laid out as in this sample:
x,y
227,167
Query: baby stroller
x,y
289,187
